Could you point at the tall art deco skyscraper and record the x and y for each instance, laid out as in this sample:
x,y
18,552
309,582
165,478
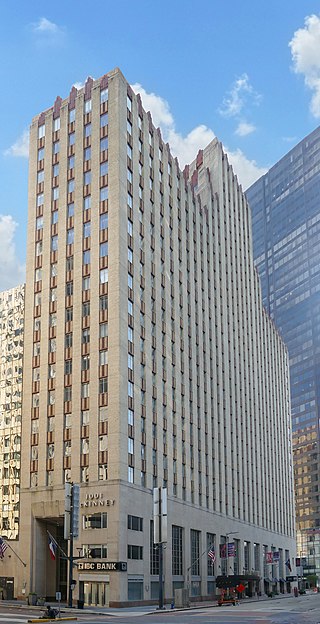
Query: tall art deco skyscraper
x,y
149,361
286,235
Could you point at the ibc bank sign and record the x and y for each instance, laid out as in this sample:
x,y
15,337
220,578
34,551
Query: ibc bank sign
x,y
99,566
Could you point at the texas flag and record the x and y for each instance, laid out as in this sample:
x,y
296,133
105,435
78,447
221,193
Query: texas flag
x,y
52,548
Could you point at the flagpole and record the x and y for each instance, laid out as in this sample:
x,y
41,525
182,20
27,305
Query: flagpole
x,y
57,545
14,552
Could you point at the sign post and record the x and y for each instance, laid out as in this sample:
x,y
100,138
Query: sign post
x,y
58,598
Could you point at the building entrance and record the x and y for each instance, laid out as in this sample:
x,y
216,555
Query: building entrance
x,y
95,594
6,588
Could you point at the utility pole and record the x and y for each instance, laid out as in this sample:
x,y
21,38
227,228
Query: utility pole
x,y
160,531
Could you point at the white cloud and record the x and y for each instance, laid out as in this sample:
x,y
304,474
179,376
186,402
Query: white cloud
x,y
305,51
21,146
240,95
244,128
45,26
78,85
247,171
289,139
186,148
158,107
12,272
47,32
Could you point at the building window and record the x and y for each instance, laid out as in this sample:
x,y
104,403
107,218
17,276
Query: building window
x,y
40,177
86,257
103,472
54,243
103,95
88,106
103,330
86,283
104,221
103,358
85,390
135,523
85,446
85,336
104,168
104,276
104,144
103,385
68,393
103,414
154,553
130,474
86,308
41,154
195,552
87,130
130,417
85,362
95,551
87,202
130,446
41,131
95,521
69,289
103,250
72,115
177,553
104,120
71,186
103,302
104,193
87,154
56,124
70,236
135,552
70,210
72,138
39,223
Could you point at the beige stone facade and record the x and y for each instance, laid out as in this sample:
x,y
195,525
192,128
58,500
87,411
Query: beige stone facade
x,y
149,361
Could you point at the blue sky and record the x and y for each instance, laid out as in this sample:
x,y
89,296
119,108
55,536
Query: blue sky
x,y
247,72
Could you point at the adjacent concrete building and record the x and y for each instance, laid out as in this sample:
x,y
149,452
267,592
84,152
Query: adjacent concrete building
x,y
286,235
149,361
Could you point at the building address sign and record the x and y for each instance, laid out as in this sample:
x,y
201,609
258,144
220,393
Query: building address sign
x,y
99,566
97,500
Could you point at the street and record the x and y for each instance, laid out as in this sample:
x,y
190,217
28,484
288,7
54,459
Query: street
x,y
302,610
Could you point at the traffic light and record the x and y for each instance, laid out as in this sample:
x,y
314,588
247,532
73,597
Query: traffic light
x,y
75,509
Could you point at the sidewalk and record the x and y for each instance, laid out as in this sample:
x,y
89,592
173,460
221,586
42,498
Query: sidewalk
x,y
145,609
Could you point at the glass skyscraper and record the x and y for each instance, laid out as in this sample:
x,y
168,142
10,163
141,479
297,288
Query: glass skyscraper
x,y
285,205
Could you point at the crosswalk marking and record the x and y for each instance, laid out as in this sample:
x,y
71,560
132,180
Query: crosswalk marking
x,y
13,619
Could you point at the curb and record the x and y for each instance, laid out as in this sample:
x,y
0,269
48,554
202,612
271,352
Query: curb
x,y
61,619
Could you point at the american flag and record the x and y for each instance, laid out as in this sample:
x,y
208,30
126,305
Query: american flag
x,y
3,547
212,554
